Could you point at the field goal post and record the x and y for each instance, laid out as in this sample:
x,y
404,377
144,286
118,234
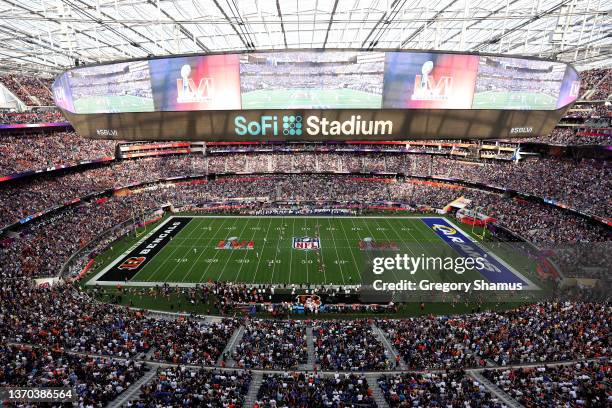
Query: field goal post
x,y
479,210
138,218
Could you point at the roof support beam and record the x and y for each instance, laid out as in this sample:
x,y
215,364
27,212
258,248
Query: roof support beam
x,y
426,25
83,11
182,28
538,16
331,20
280,15
222,10
71,56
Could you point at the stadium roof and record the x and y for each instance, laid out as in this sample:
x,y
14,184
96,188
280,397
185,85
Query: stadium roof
x,y
49,35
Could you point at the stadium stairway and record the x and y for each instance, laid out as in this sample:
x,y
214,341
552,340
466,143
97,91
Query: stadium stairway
x,y
391,352
505,398
251,396
132,392
310,347
377,394
229,348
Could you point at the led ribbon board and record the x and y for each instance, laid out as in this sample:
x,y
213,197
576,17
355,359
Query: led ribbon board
x,y
317,95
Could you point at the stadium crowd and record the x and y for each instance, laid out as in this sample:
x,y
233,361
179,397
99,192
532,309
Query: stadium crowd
x,y
559,180
63,318
598,82
67,319
582,384
349,346
36,151
530,334
574,183
443,389
32,196
32,117
575,136
180,386
272,345
31,90
42,249
95,381
303,390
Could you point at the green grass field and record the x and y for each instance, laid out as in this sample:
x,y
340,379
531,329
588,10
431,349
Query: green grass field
x,y
194,254
310,98
125,103
513,100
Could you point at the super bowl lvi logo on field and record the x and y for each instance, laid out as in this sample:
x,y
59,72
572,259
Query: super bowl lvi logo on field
x,y
235,243
306,243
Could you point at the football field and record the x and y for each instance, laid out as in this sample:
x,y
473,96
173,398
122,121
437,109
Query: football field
x,y
186,250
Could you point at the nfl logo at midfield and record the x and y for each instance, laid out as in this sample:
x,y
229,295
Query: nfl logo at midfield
x,y
306,243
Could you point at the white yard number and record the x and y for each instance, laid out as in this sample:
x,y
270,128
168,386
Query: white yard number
x,y
340,261
211,260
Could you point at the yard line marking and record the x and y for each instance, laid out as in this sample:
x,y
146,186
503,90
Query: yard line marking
x,y
246,251
170,257
337,255
412,253
307,268
352,252
231,251
291,249
164,260
263,248
203,250
215,253
322,264
276,251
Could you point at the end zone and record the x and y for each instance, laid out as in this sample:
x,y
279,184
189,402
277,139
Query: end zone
x,y
499,271
137,256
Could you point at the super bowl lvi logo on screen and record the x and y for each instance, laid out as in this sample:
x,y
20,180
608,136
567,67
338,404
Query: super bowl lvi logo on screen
x,y
189,92
210,82
428,80
429,88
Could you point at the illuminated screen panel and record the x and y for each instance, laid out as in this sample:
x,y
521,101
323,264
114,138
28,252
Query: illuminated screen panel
x,y
569,88
429,80
122,87
326,80
520,84
312,80
196,83
62,93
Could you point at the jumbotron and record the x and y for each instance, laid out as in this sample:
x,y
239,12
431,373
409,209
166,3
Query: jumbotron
x,y
305,204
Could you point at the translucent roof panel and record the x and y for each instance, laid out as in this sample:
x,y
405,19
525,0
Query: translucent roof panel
x,y
47,36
